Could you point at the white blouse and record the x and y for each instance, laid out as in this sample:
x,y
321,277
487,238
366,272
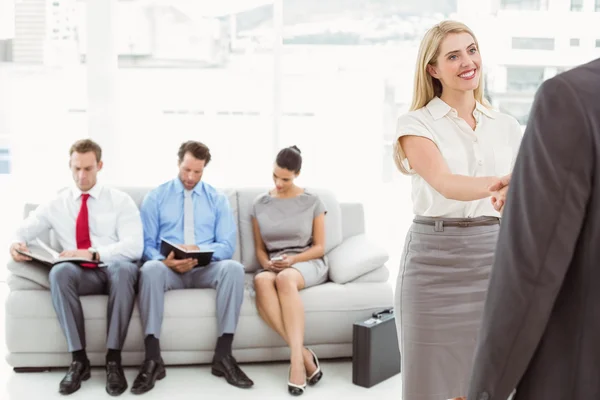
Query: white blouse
x,y
489,150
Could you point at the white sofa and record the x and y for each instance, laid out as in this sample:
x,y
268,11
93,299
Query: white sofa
x,y
357,287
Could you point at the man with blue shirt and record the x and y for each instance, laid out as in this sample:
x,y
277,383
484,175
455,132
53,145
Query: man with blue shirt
x,y
196,216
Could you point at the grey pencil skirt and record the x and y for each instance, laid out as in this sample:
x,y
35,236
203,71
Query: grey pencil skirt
x,y
439,300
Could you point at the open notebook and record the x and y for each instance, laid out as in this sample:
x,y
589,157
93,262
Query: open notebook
x,y
204,257
48,256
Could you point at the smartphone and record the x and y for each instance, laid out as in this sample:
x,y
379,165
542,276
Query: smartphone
x,y
278,258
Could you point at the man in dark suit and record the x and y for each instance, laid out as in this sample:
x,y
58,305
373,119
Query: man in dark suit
x,y
540,332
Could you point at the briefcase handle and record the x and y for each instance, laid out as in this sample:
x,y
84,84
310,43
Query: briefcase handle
x,y
379,314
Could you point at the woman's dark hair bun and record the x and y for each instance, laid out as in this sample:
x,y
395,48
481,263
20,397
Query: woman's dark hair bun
x,y
290,159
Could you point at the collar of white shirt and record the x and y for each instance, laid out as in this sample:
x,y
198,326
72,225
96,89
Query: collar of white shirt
x,y
93,192
439,109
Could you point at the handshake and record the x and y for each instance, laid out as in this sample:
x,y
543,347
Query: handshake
x,y
498,191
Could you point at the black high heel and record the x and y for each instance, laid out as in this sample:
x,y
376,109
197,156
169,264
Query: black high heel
x,y
293,389
318,374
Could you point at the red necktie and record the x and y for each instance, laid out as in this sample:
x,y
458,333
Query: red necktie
x,y
82,228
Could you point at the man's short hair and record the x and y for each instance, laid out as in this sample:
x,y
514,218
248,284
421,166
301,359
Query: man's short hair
x,y
85,146
196,149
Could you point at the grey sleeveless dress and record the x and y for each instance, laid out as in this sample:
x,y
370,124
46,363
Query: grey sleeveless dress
x,y
286,227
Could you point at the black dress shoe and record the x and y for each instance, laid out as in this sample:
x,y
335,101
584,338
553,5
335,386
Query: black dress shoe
x,y
228,368
150,371
116,383
77,372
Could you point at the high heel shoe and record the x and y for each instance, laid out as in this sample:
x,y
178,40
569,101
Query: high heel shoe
x,y
318,374
293,389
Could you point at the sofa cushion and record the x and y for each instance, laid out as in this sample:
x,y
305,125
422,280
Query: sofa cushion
x,y
381,274
137,193
31,271
246,197
353,219
356,256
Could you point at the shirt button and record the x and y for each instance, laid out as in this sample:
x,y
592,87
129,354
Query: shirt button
x,y
480,162
475,140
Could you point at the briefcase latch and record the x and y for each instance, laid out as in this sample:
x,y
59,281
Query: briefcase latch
x,y
379,314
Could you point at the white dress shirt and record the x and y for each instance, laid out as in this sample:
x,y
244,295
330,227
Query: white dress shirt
x,y
489,150
114,220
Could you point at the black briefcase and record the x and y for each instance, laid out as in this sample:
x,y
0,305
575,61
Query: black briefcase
x,y
375,351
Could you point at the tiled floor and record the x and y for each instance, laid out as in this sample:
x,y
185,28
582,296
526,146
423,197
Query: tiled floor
x,y
193,382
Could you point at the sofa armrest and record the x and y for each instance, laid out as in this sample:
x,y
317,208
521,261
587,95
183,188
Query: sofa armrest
x,y
354,257
31,270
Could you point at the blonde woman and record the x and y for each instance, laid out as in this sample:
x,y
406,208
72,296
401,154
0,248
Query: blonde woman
x,y
457,149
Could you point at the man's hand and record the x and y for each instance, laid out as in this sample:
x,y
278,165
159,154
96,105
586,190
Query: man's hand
x,y
499,192
499,199
179,266
278,266
76,253
17,256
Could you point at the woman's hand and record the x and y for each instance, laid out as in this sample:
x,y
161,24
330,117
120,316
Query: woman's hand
x,y
279,265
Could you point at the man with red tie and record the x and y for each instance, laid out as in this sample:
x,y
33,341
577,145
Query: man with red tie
x,y
101,224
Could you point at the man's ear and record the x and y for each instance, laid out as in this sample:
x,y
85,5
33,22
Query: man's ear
x,y
100,165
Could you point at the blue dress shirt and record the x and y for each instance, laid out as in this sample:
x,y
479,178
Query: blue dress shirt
x,y
162,217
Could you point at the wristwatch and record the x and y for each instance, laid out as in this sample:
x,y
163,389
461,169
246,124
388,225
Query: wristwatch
x,y
94,253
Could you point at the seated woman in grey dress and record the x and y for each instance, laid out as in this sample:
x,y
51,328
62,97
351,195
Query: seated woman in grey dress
x,y
289,235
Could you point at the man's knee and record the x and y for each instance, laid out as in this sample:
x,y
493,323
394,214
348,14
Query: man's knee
x,y
63,273
232,270
124,272
152,270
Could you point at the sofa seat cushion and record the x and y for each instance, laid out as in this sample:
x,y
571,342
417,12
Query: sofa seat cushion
x,y
201,303
381,274
190,319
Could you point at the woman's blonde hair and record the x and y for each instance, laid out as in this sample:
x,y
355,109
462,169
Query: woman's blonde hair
x,y
427,87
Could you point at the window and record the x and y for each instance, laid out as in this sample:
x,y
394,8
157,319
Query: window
x,y
5,50
597,43
524,79
533,5
209,72
49,88
597,8
517,108
577,5
338,53
574,42
522,43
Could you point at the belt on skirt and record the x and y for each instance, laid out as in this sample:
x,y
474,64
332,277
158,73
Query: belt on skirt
x,y
439,222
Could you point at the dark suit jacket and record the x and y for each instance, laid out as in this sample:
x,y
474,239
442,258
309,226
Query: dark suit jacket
x,y
540,331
